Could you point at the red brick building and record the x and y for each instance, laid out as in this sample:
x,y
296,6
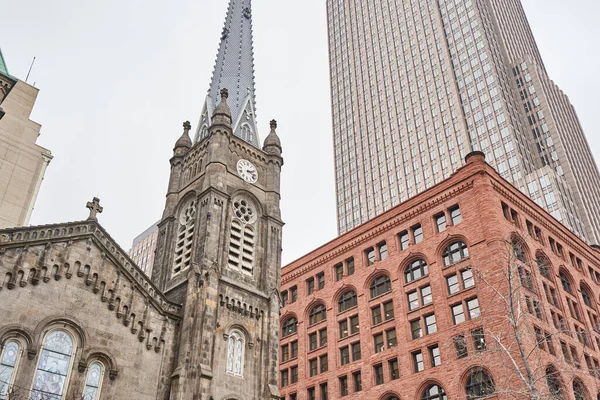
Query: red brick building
x,y
468,290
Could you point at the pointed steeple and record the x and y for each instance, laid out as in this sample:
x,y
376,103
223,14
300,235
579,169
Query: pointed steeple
x,y
234,71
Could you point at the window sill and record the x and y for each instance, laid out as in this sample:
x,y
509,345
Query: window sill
x,y
349,336
411,283
347,310
419,309
379,324
461,292
380,296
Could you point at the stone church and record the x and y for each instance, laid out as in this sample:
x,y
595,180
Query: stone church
x,y
78,318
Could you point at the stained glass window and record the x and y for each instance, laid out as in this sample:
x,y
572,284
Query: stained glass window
x,y
8,363
235,353
53,367
93,382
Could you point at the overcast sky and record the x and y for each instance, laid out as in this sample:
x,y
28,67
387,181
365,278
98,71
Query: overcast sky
x,y
118,77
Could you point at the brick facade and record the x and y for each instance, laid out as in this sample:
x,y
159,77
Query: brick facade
x,y
493,220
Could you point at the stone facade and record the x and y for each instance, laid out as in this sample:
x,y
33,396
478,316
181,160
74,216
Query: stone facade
x,y
394,317
205,328
22,162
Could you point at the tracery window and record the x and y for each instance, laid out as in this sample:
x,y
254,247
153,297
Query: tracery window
x,y
543,267
434,392
518,250
317,314
242,236
479,385
454,253
8,365
380,285
289,326
416,270
53,367
553,381
587,299
93,382
185,237
235,353
566,283
347,301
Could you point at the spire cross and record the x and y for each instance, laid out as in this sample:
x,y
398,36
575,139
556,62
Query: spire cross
x,y
95,208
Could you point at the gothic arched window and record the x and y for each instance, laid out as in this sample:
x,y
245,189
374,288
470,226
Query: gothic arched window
x,y
579,390
434,392
317,314
93,381
543,266
518,250
242,236
53,367
185,237
415,270
380,285
454,253
290,326
566,283
8,364
553,382
480,384
587,299
347,301
246,132
235,353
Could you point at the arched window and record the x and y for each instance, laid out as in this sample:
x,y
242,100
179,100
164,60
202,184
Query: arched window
x,y
235,353
587,299
93,382
317,314
290,326
8,364
566,283
53,367
347,301
543,267
246,132
480,384
454,253
380,285
392,398
579,390
185,237
415,270
553,381
434,392
518,251
242,236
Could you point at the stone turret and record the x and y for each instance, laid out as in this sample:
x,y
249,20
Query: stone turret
x,y
272,143
184,143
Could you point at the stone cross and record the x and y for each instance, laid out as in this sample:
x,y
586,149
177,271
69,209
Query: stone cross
x,y
94,207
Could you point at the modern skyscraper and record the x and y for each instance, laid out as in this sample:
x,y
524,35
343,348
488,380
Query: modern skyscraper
x,y
143,248
416,85
22,162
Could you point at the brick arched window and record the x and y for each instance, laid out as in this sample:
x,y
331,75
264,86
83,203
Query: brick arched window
x,y
290,326
566,282
454,253
543,266
347,301
579,390
380,285
434,392
553,382
317,314
416,270
587,298
518,250
479,385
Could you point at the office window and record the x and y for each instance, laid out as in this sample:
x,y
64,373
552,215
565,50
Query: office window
x,y
467,278
343,385
312,367
440,222
356,354
290,326
311,393
312,341
455,215
323,337
394,371
416,270
453,286
285,353
344,355
323,363
370,256
413,300
320,280
339,271
404,240
284,298
426,297
285,378
392,341
376,315
435,355
478,339
310,285
357,379
354,324
317,314
458,314
460,345
350,266
430,324
344,332
473,307
347,301
417,234
293,294
382,250
323,387
378,372
294,374
418,365
415,328
454,253
378,343
388,310
380,285
294,349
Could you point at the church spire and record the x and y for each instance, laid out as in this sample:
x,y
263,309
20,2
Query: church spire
x,y
234,71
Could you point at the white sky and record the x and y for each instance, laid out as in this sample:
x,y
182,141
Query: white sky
x,y
118,78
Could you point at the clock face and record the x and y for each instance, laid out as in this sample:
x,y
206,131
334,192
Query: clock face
x,y
247,171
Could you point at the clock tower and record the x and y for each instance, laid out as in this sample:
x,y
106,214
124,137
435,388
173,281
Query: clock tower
x,y
219,241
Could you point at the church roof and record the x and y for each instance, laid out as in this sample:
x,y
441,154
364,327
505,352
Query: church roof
x,y
234,71
3,67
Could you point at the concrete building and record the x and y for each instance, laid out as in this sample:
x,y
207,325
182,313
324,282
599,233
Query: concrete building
x,y
416,303
22,162
80,319
417,85
143,248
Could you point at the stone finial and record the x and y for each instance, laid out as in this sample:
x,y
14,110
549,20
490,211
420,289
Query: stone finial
x,y
272,143
187,126
222,113
224,94
95,209
184,142
273,124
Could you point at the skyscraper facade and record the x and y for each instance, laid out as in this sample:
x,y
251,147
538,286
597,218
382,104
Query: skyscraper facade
x,y
416,85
